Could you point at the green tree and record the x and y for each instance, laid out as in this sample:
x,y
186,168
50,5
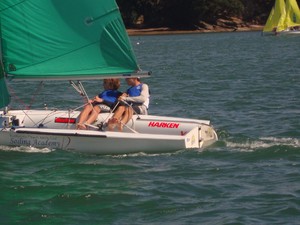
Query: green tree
x,y
178,14
186,14
212,10
128,11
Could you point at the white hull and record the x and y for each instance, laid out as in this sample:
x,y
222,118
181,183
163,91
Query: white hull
x,y
144,133
290,32
282,33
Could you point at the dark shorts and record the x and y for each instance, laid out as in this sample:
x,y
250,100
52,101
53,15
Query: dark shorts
x,y
140,109
137,108
103,107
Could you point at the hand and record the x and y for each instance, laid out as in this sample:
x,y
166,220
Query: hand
x,y
97,99
123,96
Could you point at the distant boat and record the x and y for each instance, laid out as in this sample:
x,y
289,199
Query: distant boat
x,y
72,41
283,19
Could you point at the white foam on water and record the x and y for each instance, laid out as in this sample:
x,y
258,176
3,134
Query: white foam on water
x,y
27,149
264,142
139,154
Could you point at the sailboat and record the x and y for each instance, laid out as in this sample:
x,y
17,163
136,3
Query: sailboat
x,y
74,41
283,19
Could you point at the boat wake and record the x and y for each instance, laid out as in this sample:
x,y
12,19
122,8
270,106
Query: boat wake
x,y
263,143
142,154
25,149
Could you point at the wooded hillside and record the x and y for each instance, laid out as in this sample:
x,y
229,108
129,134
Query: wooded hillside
x,y
193,14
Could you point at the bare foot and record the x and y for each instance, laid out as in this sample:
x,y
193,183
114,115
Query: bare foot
x,y
112,123
81,126
120,126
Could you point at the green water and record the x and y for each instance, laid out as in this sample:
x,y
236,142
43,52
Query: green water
x,y
246,84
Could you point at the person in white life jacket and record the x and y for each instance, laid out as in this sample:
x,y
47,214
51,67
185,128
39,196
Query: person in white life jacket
x,y
136,99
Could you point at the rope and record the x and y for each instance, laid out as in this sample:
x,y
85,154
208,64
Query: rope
x,y
130,105
36,93
100,125
33,98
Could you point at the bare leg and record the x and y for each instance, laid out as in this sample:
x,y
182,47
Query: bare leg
x,y
116,117
129,114
84,115
126,117
93,116
119,112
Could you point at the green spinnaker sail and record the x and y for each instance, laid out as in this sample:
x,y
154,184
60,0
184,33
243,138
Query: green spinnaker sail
x,y
64,39
5,97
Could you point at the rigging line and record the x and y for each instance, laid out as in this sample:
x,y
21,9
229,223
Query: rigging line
x,y
80,85
52,114
130,105
41,84
109,115
41,122
38,123
75,87
26,115
79,107
81,90
14,95
125,125
134,131
11,90
69,116
85,94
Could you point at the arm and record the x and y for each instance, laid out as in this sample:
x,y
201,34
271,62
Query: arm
x,y
96,99
139,99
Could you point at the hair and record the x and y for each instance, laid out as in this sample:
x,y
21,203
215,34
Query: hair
x,y
137,78
112,83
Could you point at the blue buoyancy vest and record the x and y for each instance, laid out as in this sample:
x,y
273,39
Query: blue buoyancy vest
x,y
135,91
110,96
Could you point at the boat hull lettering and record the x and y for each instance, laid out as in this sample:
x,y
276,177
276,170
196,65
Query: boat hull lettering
x,y
164,125
34,141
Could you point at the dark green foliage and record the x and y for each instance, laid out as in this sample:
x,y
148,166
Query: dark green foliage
x,y
186,14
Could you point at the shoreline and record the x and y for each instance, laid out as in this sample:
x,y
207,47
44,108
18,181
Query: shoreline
x,y
168,31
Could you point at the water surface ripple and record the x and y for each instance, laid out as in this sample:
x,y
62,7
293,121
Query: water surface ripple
x,y
246,84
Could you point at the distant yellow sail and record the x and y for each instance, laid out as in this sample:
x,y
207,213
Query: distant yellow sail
x,y
292,13
276,18
283,16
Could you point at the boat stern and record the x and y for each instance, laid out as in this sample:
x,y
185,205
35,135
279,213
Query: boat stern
x,y
192,138
200,137
207,135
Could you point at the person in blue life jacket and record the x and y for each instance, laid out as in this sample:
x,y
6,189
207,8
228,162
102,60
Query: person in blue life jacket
x,y
136,99
104,102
